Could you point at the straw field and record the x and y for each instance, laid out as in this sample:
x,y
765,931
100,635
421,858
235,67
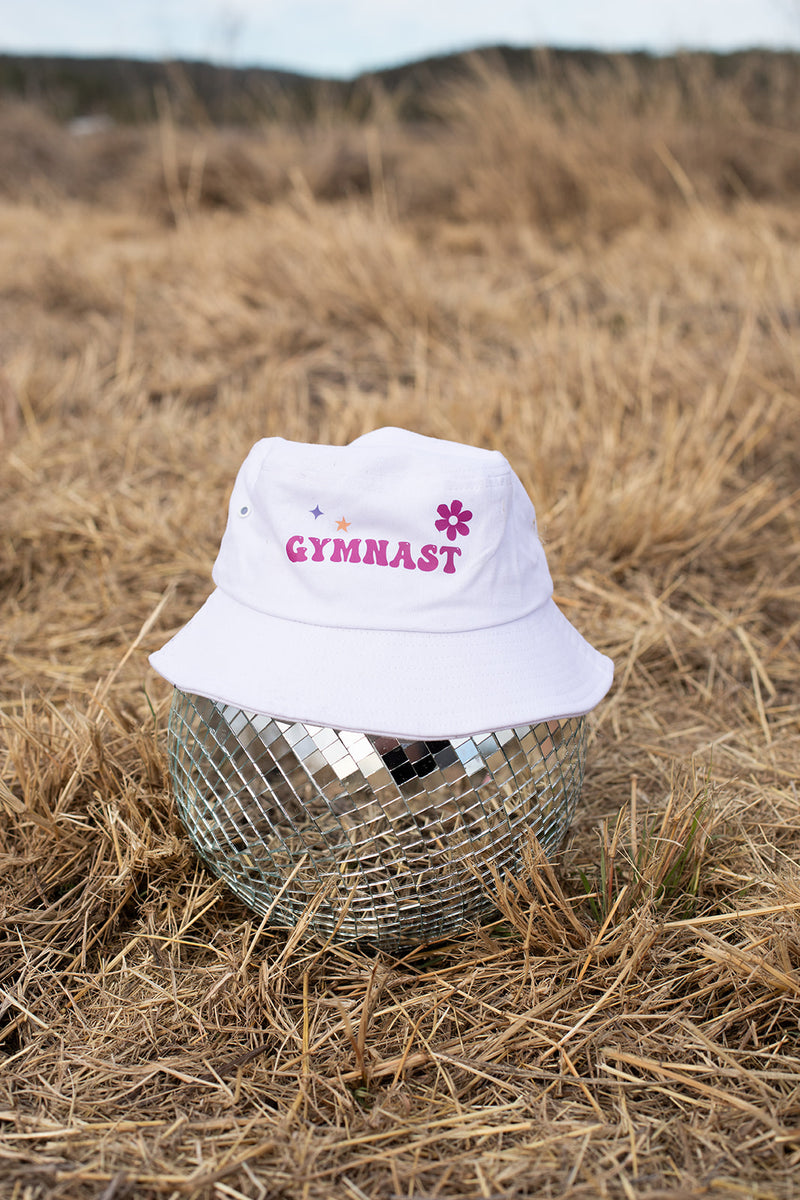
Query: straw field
x,y
601,281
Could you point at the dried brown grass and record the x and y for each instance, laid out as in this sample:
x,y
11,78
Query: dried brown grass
x,y
628,1025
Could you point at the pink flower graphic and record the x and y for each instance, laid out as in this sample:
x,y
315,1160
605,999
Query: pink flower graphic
x,y
454,519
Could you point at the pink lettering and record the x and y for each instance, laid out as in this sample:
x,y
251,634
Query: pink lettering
x,y
375,553
404,556
295,550
451,552
427,560
346,551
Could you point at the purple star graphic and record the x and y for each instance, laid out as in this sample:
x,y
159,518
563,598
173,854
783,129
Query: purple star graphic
x,y
316,510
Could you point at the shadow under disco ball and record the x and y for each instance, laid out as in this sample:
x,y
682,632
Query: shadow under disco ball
x,y
388,841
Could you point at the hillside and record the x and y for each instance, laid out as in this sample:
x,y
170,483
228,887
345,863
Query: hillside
x,y
767,83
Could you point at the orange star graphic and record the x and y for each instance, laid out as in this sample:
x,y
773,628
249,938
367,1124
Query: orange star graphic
x,y
345,525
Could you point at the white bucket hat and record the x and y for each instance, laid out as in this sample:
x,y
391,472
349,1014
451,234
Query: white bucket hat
x,y
393,586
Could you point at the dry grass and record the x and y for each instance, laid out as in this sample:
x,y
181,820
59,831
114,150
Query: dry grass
x,y
628,1025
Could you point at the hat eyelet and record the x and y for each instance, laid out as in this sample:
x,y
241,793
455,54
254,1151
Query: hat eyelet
x,y
245,510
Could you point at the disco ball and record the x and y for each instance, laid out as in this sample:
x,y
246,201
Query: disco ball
x,y
382,840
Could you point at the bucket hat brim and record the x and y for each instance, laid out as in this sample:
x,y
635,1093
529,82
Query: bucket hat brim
x,y
394,683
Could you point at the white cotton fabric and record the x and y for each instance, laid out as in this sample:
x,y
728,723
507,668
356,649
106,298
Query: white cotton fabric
x,y
396,585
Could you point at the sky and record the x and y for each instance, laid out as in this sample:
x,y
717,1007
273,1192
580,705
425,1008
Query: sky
x,y
341,38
